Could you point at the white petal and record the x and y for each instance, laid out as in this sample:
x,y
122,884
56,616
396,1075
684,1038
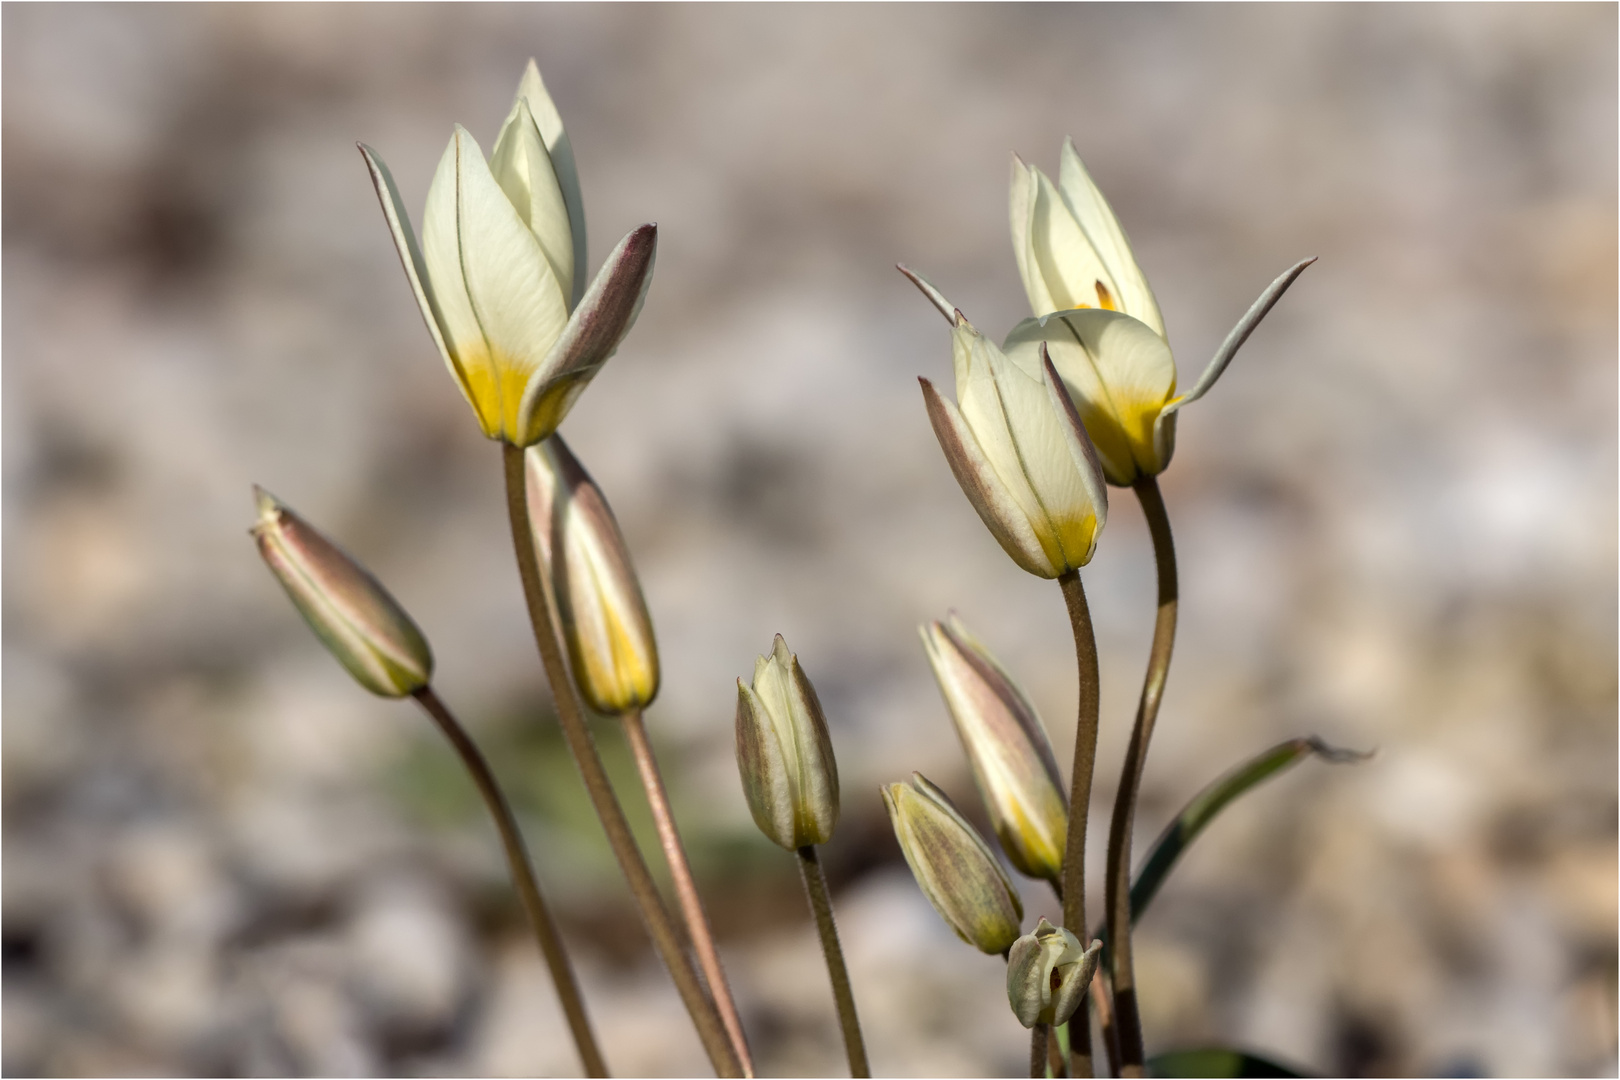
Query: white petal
x,y
410,256
1102,228
561,151
441,256
522,167
935,297
1065,256
1021,208
518,302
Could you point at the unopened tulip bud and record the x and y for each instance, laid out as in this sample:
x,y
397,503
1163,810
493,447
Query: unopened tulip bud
x,y
1048,974
1013,765
784,753
604,616
953,866
353,615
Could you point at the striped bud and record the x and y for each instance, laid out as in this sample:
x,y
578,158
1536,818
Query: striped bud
x,y
353,615
953,865
784,753
1048,974
604,616
1013,765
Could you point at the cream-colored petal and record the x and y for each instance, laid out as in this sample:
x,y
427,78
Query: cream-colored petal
x,y
1086,203
935,297
1069,263
1024,193
516,298
441,256
533,89
999,511
766,775
410,256
522,167
1081,448
599,323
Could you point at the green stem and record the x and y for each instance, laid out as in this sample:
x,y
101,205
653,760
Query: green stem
x,y
517,859
815,888
705,1017
1073,891
1118,886
680,871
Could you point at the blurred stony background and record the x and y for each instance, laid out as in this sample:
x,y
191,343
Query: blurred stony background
x,y
1396,518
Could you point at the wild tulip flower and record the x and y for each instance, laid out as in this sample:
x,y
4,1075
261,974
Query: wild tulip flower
x,y
1017,447
599,600
499,270
784,753
1048,974
1006,744
353,615
953,866
1098,318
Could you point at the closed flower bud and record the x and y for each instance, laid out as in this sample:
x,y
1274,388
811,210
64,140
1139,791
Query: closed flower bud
x,y
1013,765
1048,974
953,866
604,617
353,615
499,272
1017,447
784,753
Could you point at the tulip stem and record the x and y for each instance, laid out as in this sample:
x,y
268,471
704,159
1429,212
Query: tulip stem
x,y
1037,1050
705,1017
815,888
1073,890
517,859
1105,1019
680,869
1118,887
1056,1066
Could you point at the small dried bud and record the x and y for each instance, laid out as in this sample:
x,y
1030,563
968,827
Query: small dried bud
x,y
604,616
353,615
1048,975
1012,760
954,866
784,753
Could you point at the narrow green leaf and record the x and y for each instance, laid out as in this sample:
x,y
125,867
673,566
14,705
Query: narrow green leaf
x,y
1215,1061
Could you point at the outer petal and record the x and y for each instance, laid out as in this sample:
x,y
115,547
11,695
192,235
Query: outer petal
x,y
602,319
1000,513
935,297
410,257
441,255
817,803
1025,189
514,294
1118,372
1081,449
561,152
764,769
522,167
1086,203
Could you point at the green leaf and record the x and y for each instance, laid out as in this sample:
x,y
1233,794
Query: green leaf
x,y
1215,1061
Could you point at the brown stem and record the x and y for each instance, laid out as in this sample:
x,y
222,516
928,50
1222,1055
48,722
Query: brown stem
x,y
705,1017
517,859
815,887
1073,891
1105,1019
1118,887
697,922
1037,1050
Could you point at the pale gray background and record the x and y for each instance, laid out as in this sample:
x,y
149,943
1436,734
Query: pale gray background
x,y
1396,518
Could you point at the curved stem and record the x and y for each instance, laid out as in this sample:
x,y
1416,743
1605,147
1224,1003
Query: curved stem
x,y
1037,1050
1073,891
815,887
680,870
1118,888
570,716
517,859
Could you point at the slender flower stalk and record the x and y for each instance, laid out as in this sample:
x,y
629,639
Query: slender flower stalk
x,y
1038,1036
517,859
1118,887
815,888
680,870
1085,758
705,1017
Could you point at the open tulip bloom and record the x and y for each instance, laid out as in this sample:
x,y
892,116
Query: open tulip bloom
x,y
499,271
1096,315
